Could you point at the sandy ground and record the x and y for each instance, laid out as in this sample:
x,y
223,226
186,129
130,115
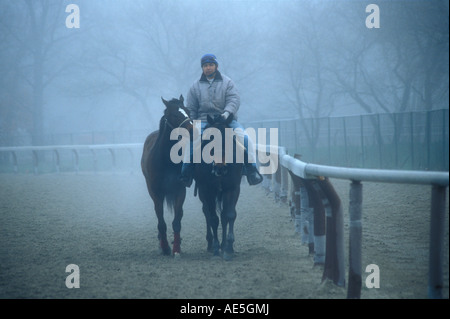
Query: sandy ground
x,y
105,224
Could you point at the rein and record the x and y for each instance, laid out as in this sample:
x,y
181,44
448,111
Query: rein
x,y
166,122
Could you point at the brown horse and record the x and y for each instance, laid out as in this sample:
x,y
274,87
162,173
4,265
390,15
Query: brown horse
x,y
162,174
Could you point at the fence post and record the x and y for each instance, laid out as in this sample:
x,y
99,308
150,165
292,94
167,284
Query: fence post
x,y
396,137
16,167
277,187
319,203
335,245
35,161
306,218
130,151
437,231
361,121
295,198
284,182
380,154
444,143
113,156
411,134
345,141
354,274
94,154
57,160
428,138
76,166
329,140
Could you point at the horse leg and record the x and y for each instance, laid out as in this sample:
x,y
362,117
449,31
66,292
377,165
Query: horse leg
x,y
212,223
162,227
215,226
176,224
228,218
224,222
206,211
209,236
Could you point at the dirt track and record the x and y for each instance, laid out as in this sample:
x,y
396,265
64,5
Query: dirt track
x,y
105,224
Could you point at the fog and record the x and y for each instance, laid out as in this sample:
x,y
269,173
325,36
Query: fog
x,y
289,59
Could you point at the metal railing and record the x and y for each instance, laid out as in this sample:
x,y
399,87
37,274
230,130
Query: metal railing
x,y
75,149
438,180
405,140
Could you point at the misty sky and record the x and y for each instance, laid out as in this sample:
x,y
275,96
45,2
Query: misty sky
x,y
289,59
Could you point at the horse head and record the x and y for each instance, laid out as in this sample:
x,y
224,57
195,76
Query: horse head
x,y
220,167
176,114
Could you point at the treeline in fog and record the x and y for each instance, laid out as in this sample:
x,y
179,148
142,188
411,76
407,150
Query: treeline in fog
x,y
289,59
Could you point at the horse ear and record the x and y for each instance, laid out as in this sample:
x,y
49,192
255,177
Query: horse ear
x,y
164,101
210,119
181,98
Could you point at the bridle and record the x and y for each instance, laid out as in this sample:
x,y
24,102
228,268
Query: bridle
x,y
166,122
218,169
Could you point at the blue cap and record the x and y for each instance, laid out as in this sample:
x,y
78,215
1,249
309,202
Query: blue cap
x,y
209,58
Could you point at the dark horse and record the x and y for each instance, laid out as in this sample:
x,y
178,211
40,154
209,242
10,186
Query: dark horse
x,y
162,174
218,185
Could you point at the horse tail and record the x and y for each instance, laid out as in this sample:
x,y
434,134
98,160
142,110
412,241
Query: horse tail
x,y
171,198
170,201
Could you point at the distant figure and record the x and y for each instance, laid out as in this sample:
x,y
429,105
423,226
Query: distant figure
x,y
215,94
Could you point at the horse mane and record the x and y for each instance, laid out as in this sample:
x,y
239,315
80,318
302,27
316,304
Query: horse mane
x,y
161,130
162,123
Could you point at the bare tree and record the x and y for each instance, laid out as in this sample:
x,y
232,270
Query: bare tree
x,y
153,48
404,61
37,38
307,59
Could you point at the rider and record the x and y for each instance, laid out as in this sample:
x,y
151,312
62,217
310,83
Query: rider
x,y
215,94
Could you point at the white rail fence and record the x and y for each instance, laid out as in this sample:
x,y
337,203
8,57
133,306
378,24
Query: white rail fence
x,y
281,184
75,149
439,181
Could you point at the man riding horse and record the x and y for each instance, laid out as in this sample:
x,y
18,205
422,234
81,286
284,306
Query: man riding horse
x,y
216,94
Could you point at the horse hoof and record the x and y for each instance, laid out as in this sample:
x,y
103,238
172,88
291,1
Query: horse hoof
x,y
319,265
227,256
165,252
176,255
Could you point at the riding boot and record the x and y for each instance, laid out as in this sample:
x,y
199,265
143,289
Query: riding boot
x,y
187,174
253,176
249,169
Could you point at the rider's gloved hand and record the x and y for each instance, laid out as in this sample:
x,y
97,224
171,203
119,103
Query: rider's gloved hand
x,y
225,115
